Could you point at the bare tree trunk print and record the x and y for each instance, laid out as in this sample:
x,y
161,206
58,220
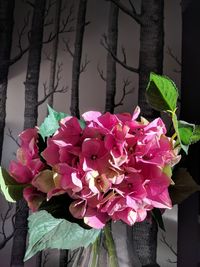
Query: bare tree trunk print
x,y
76,67
6,30
112,39
151,49
54,53
30,120
150,59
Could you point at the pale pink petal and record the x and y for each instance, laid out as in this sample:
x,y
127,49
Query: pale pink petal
x,y
136,113
91,115
95,219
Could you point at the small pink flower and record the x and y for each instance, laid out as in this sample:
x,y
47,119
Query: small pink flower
x,y
70,178
28,163
93,155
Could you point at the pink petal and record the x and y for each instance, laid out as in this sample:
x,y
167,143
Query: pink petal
x,y
91,115
95,219
51,154
136,113
27,135
20,172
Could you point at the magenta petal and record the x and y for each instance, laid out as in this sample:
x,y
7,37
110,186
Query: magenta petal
x,y
95,219
91,147
27,135
20,172
35,165
51,154
161,201
108,120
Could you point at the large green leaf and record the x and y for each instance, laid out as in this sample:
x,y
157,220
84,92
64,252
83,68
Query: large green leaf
x,y
161,93
11,190
184,186
58,207
47,232
51,122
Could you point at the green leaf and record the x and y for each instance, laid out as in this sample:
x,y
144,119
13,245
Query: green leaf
x,y
184,186
161,93
157,215
47,232
187,133
196,135
58,207
51,122
11,190
82,123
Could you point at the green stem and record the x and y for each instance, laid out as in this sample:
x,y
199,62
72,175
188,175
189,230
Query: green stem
x,y
110,246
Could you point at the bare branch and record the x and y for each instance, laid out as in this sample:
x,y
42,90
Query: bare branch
x,y
21,34
56,89
130,12
30,3
48,22
73,255
124,54
63,28
45,258
101,74
49,5
47,56
125,92
4,218
67,47
175,58
10,134
164,241
87,23
133,7
104,43
84,64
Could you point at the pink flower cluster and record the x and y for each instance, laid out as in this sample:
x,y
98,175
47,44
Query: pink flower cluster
x,y
115,168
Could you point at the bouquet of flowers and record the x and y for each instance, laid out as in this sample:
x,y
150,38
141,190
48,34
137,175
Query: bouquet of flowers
x,y
78,175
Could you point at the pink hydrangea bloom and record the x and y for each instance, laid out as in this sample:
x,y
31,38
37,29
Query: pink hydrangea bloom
x,y
113,169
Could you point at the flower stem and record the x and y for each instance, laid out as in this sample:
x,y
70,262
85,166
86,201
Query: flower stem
x,y
110,246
